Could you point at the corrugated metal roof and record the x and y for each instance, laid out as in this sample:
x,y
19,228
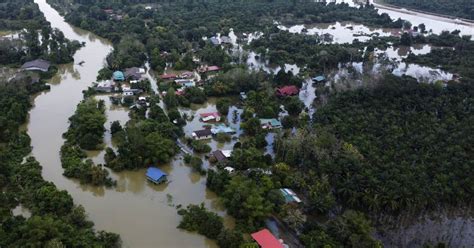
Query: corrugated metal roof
x,y
155,174
266,239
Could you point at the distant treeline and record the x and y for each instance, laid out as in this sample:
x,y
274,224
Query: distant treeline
x,y
459,8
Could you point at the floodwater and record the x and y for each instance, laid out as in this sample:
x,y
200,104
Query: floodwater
x,y
143,214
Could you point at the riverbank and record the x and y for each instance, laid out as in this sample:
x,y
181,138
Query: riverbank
x,y
458,20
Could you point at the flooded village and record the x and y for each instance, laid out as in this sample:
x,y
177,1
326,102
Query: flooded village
x,y
216,137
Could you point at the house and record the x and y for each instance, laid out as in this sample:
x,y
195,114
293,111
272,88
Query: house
x,y
134,73
222,155
118,76
211,68
36,65
29,78
186,74
243,96
185,82
229,169
214,41
270,123
222,129
213,116
265,239
202,134
128,93
155,175
289,90
168,76
319,79
289,195
226,40
107,86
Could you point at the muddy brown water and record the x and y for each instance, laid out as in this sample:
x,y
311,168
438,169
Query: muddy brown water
x,y
143,214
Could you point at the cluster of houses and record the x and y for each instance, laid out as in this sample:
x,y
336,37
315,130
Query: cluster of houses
x,y
113,15
208,133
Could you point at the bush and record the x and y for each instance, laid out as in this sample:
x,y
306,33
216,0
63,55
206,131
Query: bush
x,y
223,137
200,147
197,218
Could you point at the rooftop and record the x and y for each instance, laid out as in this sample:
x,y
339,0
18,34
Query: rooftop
x,y
289,90
38,63
155,174
266,239
202,133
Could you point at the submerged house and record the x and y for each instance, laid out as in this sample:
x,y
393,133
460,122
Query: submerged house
x,y
185,83
36,65
222,129
118,76
289,90
265,239
214,41
134,73
213,116
226,40
222,155
289,195
156,175
202,134
107,86
270,123
319,79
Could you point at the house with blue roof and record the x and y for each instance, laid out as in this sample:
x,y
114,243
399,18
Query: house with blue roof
x,y
270,123
118,76
319,79
156,175
222,129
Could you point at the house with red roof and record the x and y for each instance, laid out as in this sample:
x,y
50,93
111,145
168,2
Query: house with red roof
x,y
289,90
212,68
168,76
265,239
213,116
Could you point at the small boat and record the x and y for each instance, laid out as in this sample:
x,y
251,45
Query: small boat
x,y
81,63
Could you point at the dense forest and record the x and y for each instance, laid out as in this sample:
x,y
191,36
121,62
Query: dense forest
x,y
399,147
36,37
55,220
459,8
15,18
169,27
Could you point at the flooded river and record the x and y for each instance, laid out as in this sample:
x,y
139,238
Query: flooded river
x,y
143,214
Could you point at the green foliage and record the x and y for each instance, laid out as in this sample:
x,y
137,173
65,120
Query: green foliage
x,y
234,81
196,164
223,105
198,219
245,200
104,74
252,126
217,180
86,127
115,127
200,146
294,106
144,143
55,221
14,105
390,149
195,95
223,137
75,164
